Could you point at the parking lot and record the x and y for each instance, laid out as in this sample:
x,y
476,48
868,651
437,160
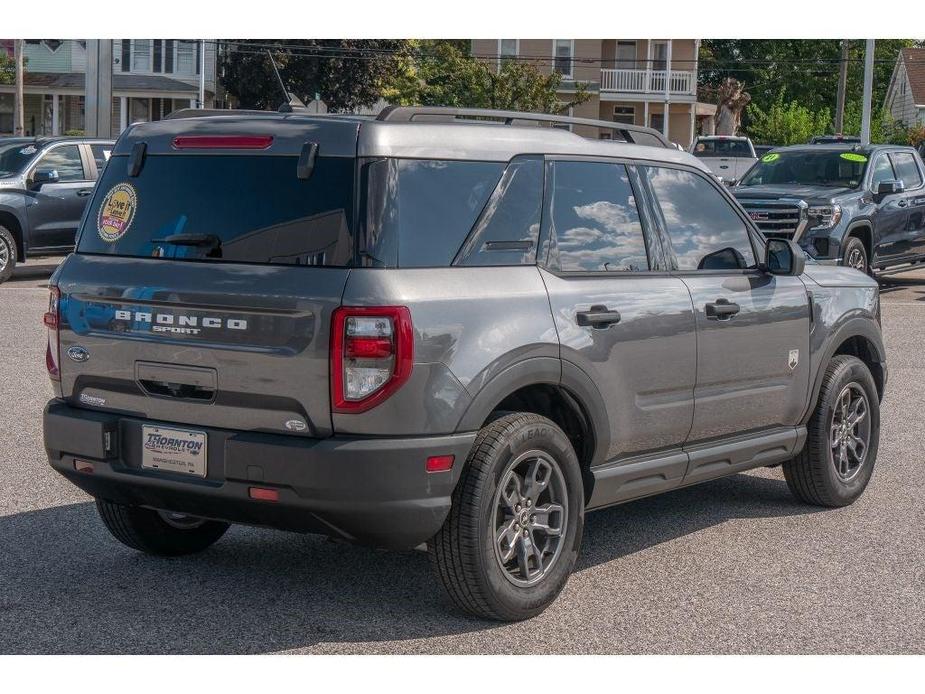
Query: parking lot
x,y
731,566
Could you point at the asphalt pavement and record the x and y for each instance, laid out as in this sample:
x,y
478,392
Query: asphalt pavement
x,y
732,566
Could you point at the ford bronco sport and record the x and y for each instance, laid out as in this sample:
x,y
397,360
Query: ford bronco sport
x,y
45,184
445,326
853,205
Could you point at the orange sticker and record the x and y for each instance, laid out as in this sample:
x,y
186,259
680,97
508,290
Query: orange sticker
x,y
116,212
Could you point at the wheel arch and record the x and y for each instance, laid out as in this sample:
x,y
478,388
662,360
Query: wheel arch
x,y
863,230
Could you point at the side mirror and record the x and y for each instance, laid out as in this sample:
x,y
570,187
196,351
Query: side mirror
x,y
891,187
43,176
784,257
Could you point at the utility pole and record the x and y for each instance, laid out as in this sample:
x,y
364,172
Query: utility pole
x,y
98,89
868,88
202,73
842,85
19,117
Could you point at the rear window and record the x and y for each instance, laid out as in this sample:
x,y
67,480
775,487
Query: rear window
x,y
722,148
224,208
420,211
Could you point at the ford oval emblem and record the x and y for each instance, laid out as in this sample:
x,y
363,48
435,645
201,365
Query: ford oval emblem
x,y
78,353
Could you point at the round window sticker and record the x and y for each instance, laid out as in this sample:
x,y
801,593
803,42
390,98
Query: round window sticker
x,y
117,212
851,156
768,158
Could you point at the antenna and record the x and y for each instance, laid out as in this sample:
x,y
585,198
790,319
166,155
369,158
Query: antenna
x,y
292,102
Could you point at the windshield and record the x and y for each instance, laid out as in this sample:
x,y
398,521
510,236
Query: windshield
x,y
838,168
14,156
230,208
722,148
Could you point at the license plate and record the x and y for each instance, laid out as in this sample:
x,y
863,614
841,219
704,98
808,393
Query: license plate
x,y
174,450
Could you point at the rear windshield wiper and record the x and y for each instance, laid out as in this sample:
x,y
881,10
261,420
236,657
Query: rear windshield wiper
x,y
210,240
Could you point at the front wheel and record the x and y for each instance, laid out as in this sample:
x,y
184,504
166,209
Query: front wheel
x,y
7,254
161,533
514,531
855,255
836,463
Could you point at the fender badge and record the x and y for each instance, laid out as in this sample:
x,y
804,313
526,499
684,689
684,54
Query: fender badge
x,y
78,353
794,359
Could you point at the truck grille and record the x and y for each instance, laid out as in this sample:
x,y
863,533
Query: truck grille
x,y
777,219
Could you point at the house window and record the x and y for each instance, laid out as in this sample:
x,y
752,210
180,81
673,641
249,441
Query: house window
x,y
141,55
626,55
168,56
126,55
624,114
659,55
657,121
507,51
158,56
563,57
186,57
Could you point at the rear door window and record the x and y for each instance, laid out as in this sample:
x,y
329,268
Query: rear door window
x,y
227,208
906,169
705,231
594,221
420,211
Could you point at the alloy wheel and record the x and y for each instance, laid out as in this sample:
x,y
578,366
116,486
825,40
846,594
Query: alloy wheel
x,y
5,252
531,515
856,260
850,431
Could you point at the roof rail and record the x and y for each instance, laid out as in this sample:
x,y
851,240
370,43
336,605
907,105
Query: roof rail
x,y
206,112
629,133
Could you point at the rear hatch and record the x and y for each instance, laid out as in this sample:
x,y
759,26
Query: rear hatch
x,y
203,285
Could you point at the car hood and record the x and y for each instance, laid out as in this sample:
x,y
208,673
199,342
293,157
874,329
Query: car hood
x,y
803,192
837,276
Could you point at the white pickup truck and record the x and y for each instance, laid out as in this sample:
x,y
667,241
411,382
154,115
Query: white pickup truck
x,y
727,156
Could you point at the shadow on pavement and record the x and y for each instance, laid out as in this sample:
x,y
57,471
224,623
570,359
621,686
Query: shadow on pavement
x,y
68,587
35,270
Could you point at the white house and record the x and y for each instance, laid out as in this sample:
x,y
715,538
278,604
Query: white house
x,y
905,97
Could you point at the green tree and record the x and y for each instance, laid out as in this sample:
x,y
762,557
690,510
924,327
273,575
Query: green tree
x,y
785,122
443,73
7,69
346,73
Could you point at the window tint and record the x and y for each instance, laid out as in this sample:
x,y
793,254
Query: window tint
x,y
883,171
101,155
509,227
705,231
594,219
66,161
235,208
419,212
906,169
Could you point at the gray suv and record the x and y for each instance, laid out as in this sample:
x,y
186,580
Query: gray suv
x,y
457,328
45,184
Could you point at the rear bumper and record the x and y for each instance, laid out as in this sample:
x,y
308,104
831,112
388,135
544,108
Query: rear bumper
x,y
374,491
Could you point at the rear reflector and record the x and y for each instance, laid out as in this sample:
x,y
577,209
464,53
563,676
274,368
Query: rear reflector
x,y
52,321
440,463
263,494
222,141
83,466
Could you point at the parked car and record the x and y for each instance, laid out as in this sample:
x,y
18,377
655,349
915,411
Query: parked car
x,y
727,157
516,326
45,184
861,206
761,150
835,140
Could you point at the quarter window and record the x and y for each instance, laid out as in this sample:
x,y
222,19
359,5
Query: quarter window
x,y
594,221
101,154
705,231
66,161
906,169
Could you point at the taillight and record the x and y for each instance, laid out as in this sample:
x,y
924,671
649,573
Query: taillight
x,y
372,353
51,320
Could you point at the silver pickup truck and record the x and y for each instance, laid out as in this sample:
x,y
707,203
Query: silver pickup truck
x,y
727,156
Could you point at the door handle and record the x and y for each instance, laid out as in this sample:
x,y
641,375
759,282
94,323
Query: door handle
x,y
721,309
84,192
598,317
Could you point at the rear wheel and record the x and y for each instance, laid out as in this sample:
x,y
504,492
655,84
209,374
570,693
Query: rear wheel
x,y
836,463
161,533
855,255
514,531
7,254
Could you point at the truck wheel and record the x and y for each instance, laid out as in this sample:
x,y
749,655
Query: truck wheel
x,y
855,255
514,531
158,532
836,463
7,254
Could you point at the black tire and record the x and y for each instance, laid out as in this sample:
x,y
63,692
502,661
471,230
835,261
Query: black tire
x,y
7,254
813,476
855,255
464,554
149,532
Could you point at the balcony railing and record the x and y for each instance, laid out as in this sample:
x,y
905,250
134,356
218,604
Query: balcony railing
x,y
648,81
